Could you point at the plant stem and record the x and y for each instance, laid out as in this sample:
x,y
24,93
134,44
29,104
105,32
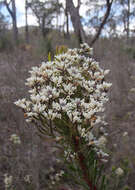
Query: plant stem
x,y
81,160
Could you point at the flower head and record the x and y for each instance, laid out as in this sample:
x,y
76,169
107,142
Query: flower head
x,y
119,171
71,89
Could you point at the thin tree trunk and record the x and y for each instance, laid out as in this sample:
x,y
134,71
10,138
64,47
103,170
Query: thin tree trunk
x,y
57,15
15,29
128,20
43,26
76,20
67,23
26,22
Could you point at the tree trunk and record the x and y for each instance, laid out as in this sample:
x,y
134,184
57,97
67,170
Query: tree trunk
x,y
15,29
43,26
128,20
76,20
26,22
57,15
67,23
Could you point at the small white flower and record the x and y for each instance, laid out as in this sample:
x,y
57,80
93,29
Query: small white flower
x,y
104,160
53,182
115,145
106,85
28,120
119,171
27,179
102,141
62,172
15,139
57,177
106,72
125,134
56,106
8,180
90,136
21,103
52,169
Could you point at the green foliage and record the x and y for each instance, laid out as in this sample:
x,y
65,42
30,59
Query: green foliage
x,y
6,43
130,51
95,172
125,166
119,181
45,46
126,188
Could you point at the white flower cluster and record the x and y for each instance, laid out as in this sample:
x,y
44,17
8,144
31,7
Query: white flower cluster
x,y
72,85
88,135
15,139
8,181
119,171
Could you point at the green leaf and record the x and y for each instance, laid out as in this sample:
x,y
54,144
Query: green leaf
x,y
49,56
102,187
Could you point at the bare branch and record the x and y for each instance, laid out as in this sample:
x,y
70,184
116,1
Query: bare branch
x,y
79,4
109,5
8,8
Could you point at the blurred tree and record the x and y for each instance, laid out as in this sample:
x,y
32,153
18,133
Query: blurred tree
x,y
26,22
11,7
5,38
57,14
3,22
127,14
76,19
99,13
45,11
67,22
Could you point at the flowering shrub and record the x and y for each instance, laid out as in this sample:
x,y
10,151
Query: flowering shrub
x,y
67,97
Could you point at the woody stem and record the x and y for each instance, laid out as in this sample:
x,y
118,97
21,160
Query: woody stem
x,y
81,160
